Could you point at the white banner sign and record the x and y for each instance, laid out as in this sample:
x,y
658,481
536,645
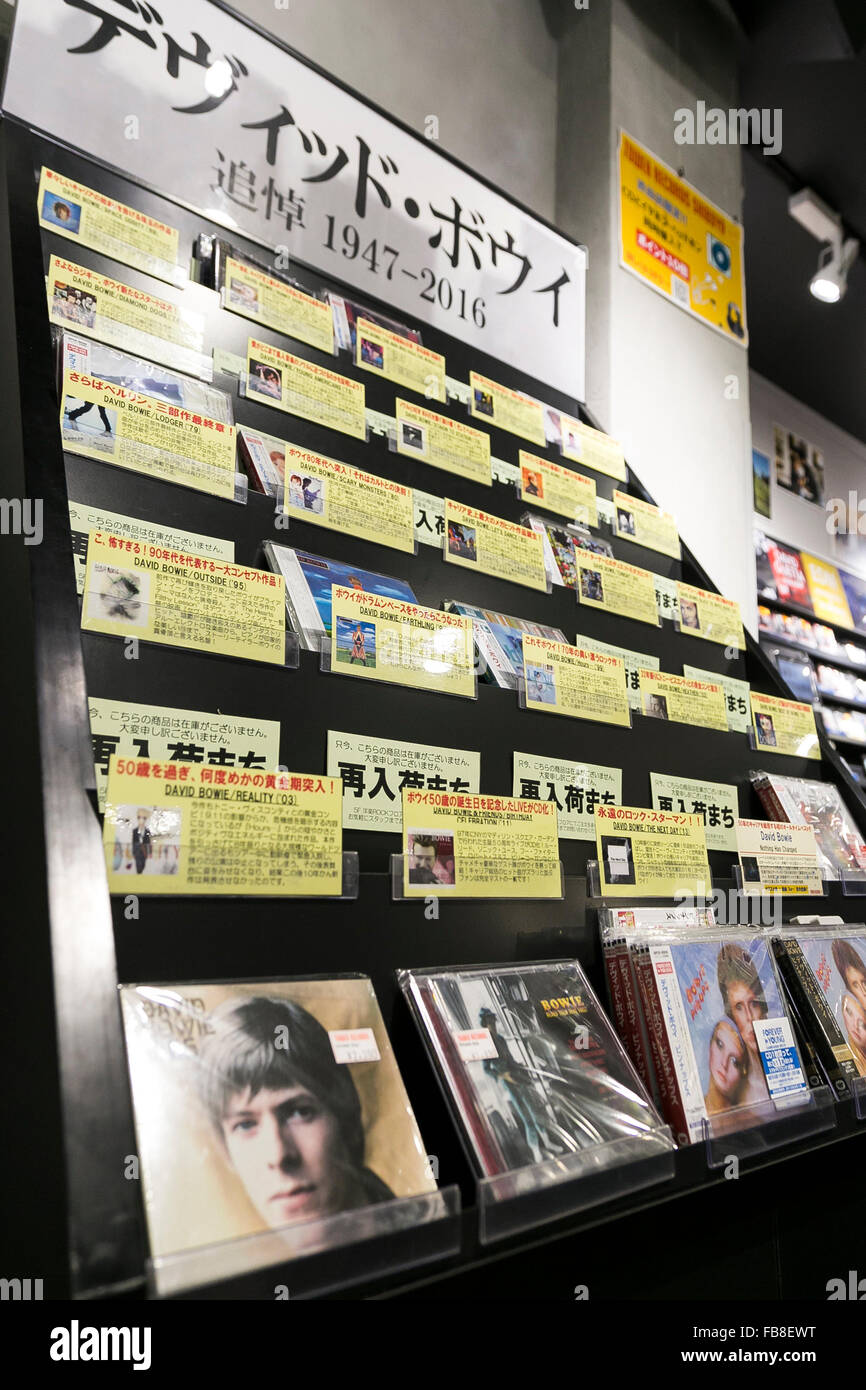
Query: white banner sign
x,y
187,98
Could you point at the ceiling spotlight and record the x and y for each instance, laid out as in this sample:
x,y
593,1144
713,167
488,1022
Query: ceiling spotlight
x,y
831,278
837,254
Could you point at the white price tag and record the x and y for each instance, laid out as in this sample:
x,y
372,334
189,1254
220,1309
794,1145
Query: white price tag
x,y
354,1045
475,1044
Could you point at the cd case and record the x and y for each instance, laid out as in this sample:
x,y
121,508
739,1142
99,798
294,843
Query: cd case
x,y
272,1107
499,641
309,580
801,801
529,1063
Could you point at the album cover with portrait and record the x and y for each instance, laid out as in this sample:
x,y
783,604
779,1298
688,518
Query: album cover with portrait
x,y
530,1065
721,1036
825,971
265,1107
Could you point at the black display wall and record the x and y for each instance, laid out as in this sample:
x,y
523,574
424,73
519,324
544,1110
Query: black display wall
x,y
68,948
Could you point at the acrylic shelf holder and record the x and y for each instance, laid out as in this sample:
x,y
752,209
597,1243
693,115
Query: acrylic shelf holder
x,y
313,1259
522,1198
765,1127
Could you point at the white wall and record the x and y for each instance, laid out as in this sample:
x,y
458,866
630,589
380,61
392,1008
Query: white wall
x,y
800,523
486,68
671,401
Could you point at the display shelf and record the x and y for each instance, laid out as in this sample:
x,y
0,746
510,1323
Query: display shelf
x,y
817,653
799,610
83,941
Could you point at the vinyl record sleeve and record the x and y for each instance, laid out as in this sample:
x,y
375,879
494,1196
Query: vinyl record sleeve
x,y
723,1044
309,581
120,368
530,1063
263,1107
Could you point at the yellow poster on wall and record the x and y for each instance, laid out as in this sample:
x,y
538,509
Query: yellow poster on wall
x,y
492,545
399,359
174,828
784,726
657,854
383,639
325,492
680,243
825,589
303,388
557,489
90,218
442,442
574,681
582,444
479,846
136,589
510,410
257,295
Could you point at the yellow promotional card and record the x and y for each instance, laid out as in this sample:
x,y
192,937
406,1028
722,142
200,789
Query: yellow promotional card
x,y
443,443
826,591
715,802
557,489
256,295
84,519
507,409
653,854
479,846
646,525
784,726
575,789
400,359
777,857
634,663
374,772
119,728
134,589
710,616
73,210
674,238
683,701
328,493
627,590
736,695
119,425
582,444
383,639
494,546
303,388
173,828
575,681
161,330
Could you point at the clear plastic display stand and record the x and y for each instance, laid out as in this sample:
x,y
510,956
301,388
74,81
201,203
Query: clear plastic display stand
x,y
759,1129
342,663
858,1096
852,883
314,1258
513,1202
431,885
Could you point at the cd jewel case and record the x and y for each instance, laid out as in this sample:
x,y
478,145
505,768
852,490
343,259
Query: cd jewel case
x,y
529,1061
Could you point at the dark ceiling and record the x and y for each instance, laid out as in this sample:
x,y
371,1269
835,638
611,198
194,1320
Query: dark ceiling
x,y
807,57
